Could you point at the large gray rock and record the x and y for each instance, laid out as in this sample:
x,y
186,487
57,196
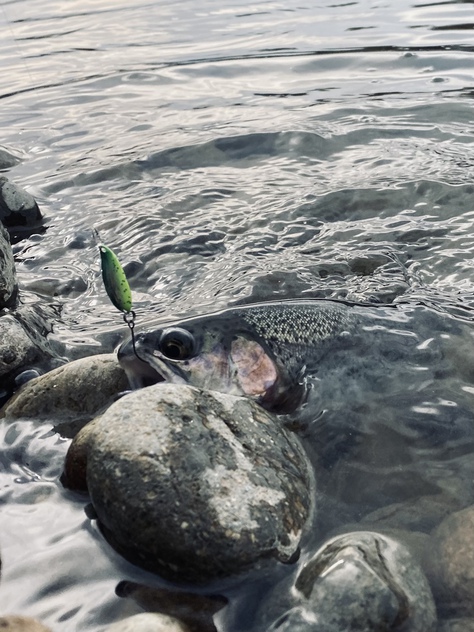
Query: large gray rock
x,y
8,284
197,485
356,582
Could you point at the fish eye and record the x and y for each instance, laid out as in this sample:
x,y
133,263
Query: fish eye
x,y
176,344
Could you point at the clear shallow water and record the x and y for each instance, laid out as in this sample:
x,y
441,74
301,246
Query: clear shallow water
x,y
235,152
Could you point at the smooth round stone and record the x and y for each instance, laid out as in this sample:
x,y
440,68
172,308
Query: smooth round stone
x,y
451,562
148,622
358,582
74,475
26,376
197,485
75,391
21,624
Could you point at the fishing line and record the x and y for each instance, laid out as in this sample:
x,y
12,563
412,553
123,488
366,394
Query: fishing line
x,y
129,319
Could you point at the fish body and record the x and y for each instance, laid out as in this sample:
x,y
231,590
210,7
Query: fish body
x,y
382,396
265,351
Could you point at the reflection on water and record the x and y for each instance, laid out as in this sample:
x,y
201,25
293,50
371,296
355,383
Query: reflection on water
x,y
227,152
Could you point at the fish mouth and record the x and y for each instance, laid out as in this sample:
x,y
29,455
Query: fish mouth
x,y
140,373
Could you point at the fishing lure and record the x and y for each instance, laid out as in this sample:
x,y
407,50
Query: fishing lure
x,y
117,286
115,280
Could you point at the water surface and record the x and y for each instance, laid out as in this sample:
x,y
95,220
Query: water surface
x,y
228,152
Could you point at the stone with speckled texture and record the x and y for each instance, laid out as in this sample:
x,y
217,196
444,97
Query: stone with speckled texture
x,y
197,485
8,282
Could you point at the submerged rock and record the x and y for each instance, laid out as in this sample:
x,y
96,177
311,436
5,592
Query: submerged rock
x,y
8,283
456,625
451,562
71,394
197,485
8,158
21,624
358,582
148,622
194,610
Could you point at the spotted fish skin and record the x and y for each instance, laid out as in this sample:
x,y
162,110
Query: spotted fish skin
x,y
297,323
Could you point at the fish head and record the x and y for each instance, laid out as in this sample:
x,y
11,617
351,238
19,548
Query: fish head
x,y
213,353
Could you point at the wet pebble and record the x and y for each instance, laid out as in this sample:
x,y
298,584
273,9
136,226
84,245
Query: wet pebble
x,y
21,624
8,159
358,582
197,485
16,347
71,394
148,622
194,610
74,474
451,562
8,282
17,206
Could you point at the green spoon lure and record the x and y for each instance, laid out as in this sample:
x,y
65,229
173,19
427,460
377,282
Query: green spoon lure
x,y
115,280
117,286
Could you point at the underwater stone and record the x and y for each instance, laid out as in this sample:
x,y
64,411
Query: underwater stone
x,y
451,562
197,485
21,624
194,610
8,159
148,622
456,625
358,582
